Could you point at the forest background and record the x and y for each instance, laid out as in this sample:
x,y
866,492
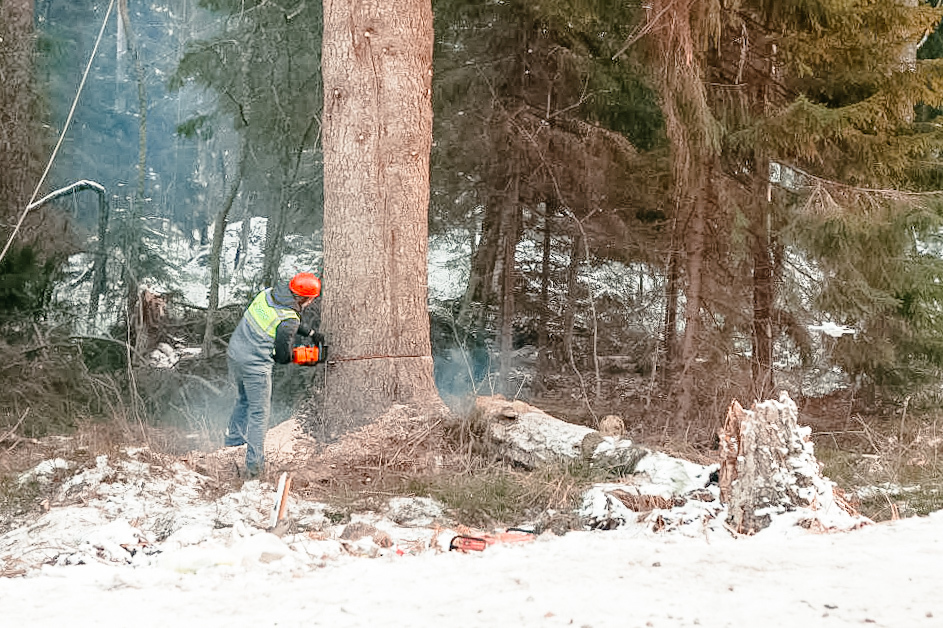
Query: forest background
x,y
654,208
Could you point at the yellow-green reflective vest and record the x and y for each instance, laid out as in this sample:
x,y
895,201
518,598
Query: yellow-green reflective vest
x,y
264,316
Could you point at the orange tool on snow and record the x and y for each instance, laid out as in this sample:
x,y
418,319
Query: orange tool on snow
x,y
480,542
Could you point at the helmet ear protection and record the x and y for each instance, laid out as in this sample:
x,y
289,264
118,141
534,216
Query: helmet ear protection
x,y
305,285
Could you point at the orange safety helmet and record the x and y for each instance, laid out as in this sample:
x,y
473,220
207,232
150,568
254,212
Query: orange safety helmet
x,y
305,285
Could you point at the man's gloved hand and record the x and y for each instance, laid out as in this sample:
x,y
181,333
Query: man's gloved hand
x,y
306,332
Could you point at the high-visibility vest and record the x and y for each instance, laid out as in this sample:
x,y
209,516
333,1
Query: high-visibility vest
x,y
265,317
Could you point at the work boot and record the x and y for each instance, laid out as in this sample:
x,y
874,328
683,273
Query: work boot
x,y
253,472
233,440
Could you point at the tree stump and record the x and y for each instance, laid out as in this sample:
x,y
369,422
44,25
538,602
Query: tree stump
x,y
768,467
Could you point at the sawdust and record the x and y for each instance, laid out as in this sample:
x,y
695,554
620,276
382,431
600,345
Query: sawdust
x,y
400,441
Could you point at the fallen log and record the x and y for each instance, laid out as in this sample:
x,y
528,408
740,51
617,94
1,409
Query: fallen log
x,y
529,437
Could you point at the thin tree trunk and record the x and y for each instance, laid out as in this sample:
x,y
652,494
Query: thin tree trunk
x,y
484,261
569,314
131,43
274,238
695,248
543,333
244,234
511,233
100,263
692,133
219,233
671,305
763,288
569,317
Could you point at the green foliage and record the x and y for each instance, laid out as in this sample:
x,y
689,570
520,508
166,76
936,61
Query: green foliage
x,y
137,250
196,127
266,69
26,284
481,499
102,355
825,92
877,275
532,88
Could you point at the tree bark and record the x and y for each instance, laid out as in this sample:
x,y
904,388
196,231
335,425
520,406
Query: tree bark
x,y
377,68
528,437
274,237
693,139
671,301
572,285
763,288
100,263
768,467
511,226
219,233
692,306
17,142
543,333
130,44
481,277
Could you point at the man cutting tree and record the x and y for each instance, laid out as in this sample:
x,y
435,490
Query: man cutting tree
x,y
266,335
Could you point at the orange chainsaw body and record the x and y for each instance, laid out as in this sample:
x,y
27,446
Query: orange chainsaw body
x,y
306,356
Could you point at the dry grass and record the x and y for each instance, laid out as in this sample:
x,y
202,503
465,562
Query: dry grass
x,y
495,495
896,468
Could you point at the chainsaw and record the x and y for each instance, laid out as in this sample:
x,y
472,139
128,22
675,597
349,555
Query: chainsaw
x,y
479,542
309,355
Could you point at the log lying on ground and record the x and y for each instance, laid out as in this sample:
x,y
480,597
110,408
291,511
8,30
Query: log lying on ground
x,y
768,468
527,436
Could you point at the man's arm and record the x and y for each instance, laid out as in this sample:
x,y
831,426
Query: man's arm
x,y
285,340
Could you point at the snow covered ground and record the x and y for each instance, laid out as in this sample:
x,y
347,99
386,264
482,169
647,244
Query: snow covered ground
x,y
142,540
881,575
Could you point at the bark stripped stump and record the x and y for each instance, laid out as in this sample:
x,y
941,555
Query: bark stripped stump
x,y
768,467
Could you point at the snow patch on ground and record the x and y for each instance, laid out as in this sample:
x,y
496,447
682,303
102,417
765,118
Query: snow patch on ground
x,y
139,538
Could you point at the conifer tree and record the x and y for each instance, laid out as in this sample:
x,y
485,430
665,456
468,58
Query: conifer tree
x,y
819,144
265,67
537,129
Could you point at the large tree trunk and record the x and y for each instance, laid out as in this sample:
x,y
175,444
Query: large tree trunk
x,y
377,66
